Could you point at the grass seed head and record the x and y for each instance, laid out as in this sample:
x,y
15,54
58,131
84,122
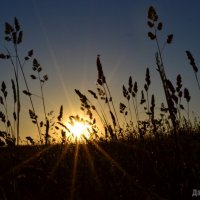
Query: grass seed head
x,y
152,15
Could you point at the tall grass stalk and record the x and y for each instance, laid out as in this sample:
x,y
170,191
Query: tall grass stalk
x,y
14,103
38,69
157,26
135,102
88,106
5,105
104,118
14,34
126,94
108,98
187,97
17,94
194,66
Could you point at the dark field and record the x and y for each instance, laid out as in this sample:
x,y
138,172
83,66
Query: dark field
x,y
131,169
158,157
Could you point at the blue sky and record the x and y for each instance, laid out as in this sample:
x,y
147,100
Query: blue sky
x,y
67,36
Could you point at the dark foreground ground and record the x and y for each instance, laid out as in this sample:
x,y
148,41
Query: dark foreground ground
x,y
150,169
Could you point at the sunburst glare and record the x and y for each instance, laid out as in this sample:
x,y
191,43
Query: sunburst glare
x,y
79,129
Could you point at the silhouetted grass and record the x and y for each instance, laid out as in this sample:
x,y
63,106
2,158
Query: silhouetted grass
x,y
14,35
151,157
123,169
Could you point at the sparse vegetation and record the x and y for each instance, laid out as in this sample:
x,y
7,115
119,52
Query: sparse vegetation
x,y
150,157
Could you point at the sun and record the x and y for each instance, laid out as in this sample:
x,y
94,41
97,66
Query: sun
x,y
79,130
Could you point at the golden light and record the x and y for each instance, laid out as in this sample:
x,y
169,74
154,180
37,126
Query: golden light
x,y
80,130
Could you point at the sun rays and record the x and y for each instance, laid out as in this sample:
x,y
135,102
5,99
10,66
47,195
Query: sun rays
x,y
79,130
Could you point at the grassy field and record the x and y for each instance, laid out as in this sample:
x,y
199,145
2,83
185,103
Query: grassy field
x,y
155,156
131,169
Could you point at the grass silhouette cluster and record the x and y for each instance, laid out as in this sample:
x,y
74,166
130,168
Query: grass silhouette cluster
x,y
133,157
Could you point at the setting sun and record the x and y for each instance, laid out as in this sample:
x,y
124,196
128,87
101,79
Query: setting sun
x,y
79,130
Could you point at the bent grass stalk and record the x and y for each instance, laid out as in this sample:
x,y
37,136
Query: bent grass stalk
x,y
108,98
15,35
14,103
87,104
104,118
194,67
135,102
157,26
15,69
38,69
5,105
126,94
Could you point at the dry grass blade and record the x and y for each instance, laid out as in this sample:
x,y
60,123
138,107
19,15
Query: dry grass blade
x,y
147,79
130,84
113,118
32,114
153,17
152,104
64,126
2,117
143,100
178,83
14,91
47,131
3,89
170,86
122,107
192,61
93,94
60,113
1,100
187,95
26,93
193,64
125,93
8,28
135,88
101,77
14,116
20,36
17,26
30,139
33,76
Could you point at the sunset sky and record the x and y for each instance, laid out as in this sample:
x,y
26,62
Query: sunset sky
x,y
67,36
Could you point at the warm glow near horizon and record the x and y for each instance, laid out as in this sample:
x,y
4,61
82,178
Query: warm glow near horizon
x,y
80,130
